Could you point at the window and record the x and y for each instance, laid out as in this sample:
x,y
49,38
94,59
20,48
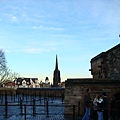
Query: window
x,y
18,82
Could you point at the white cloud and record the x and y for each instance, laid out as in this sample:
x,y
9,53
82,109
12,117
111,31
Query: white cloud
x,y
7,51
48,28
14,18
11,17
35,50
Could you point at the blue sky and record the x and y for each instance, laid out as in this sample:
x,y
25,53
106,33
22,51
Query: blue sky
x,y
32,32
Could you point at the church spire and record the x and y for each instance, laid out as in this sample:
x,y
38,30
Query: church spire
x,y
56,75
56,67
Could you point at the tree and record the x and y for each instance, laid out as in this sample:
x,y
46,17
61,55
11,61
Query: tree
x,y
6,75
2,65
2,61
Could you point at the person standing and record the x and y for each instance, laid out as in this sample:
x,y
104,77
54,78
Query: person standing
x,y
113,111
87,104
105,111
100,106
95,116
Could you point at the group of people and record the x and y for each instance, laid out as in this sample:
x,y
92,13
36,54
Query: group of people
x,y
99,105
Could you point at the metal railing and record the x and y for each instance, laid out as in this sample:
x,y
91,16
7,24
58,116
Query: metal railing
x,y
30,105
39,105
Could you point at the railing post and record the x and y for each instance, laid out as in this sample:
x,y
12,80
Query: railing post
x,y
26,97
47,110
19,98
25,112
1,98
79,108
40,97
11,95
44,98
5,96
22,96
21,106
6,109
14,97
33,106
62,97
73,112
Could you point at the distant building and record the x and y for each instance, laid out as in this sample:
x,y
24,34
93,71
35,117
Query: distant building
x,y
45,84
106,65
56,75
27,83
9,85
62,84
47,80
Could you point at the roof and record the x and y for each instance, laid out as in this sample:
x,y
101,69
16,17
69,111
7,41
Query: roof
x,y
19,81
113,48
28,82
34,79
10,84
98,56
105,53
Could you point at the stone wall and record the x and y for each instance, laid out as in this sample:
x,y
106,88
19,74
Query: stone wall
x,y
113,63
75,90
106,65
98,66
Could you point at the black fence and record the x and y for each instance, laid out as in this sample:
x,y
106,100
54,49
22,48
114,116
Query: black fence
x,y
37,110
32,106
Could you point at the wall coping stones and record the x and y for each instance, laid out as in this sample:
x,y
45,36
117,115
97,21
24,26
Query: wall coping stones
x,y
90,81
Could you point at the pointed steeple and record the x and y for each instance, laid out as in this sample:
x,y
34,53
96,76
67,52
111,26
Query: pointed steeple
x,y
56,75
56,67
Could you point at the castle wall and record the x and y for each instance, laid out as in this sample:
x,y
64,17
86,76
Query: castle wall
x,y
113,64
76,88
106,65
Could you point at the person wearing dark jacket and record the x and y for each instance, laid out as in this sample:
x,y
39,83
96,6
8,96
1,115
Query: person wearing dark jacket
x,y
113,111
87,104
105,112
100,107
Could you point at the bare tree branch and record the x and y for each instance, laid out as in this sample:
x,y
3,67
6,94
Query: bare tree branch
x,y
6,74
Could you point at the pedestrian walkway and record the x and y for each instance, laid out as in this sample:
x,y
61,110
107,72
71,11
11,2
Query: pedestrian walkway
x,y
39,117
29,117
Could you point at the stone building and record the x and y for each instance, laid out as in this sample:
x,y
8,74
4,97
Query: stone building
x,y
105,69
56,75
106,65
45,84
